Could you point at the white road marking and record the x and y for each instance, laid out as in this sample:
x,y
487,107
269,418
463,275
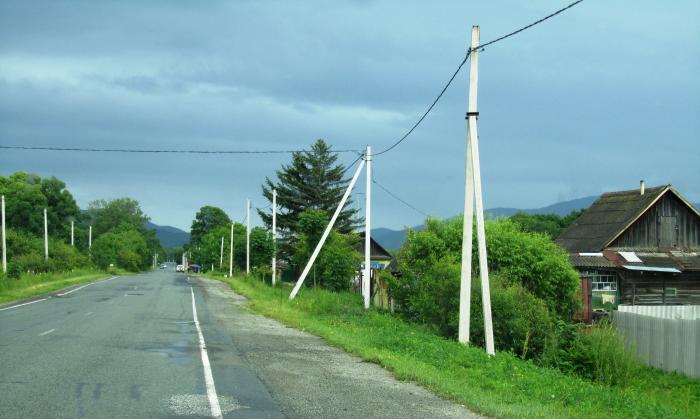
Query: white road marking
x,y
47,332
24,304
88,313
208,376
86,285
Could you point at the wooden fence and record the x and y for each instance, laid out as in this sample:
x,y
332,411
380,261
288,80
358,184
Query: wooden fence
x,y
668,343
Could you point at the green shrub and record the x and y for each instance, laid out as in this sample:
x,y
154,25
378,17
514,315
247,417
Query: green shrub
x,y
596,352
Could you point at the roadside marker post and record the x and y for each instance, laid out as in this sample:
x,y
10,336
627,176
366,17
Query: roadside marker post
x,y
472,194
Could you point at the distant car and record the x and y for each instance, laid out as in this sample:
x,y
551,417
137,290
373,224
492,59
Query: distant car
x,y
179,268
163,266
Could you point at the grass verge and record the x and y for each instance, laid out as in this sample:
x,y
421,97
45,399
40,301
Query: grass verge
x,y
500,386
33,285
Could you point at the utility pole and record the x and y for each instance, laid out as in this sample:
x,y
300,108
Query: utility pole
x,y
90,239
4,240
366,277
230,255
46,236
72,233
221,255
274,236
473,193
247,238
317,250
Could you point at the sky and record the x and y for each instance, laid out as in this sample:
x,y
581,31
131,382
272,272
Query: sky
x,y
592,100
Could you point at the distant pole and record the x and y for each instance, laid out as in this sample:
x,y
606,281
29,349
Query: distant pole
x,y
72,233
4,241
366,277
317,250
221,255
90,238
473,193
274,236
230,255
46,236
247,238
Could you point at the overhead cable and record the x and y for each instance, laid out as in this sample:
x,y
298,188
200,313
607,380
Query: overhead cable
x,y
168,151
399,199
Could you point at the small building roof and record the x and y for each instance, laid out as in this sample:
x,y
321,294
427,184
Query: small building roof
x,y
376,251
608,217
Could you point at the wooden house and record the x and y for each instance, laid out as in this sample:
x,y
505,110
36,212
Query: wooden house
x,y
380,259
639,247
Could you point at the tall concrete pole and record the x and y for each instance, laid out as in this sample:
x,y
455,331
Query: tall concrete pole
x,y
366,277
46,236
247,238
221,255
317,250
274,236
90,238
72,233
4,240
474,192
230,255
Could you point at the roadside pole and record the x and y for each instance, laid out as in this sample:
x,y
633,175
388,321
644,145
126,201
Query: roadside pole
x,y
274,236
473,193
4,241
90,239
317,250
230,255
72,233
46,236
221,254
247,238
366,277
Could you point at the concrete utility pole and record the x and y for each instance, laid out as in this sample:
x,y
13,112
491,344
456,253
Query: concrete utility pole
x,y
221,255
72,233
367,275
473,193
317,250
274,236
90,238
46,236
247,238
230,255
4,240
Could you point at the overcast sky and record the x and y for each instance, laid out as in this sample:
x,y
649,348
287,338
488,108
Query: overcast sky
x,y
592,100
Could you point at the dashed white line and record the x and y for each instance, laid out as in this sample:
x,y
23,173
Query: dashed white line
x,y
24,304
88,313
208,376
47,332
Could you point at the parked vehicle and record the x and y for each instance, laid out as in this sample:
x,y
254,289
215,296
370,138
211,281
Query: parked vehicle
x,y
163,266
179,268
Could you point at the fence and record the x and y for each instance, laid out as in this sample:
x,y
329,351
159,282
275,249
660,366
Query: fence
x,y
667,343
664,312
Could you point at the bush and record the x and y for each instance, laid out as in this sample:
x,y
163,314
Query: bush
x,y
595,352
127,249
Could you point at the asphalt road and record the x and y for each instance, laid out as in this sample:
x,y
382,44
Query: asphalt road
x,y
164,344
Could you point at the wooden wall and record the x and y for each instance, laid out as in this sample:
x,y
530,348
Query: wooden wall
x,y
668,225
647,288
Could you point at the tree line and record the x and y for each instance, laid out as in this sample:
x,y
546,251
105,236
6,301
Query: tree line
x,y
119,236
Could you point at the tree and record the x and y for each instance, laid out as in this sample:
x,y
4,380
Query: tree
x,y
261,247
208,218
125,248
108,215
549,224
312,181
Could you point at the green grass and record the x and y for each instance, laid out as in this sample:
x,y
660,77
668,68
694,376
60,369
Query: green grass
x,y
34,285
500,386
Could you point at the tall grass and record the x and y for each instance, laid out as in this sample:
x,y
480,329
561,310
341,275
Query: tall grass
x,y
30,285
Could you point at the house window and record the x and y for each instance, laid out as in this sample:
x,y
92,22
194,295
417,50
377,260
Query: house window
x,y
601,280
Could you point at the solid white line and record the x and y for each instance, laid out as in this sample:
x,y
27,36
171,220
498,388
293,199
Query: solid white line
x,y
208,376
47,332
24,304
86,285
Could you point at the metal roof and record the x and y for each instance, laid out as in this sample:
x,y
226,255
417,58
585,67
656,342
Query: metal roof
x,y
651,269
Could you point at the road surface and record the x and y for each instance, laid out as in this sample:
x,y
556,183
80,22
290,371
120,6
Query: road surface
x,y
164,344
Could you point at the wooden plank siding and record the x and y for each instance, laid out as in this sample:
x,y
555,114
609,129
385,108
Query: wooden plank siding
x,y
648,288
668,225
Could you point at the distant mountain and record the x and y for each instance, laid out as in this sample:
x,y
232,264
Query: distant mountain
x,y
170,237
393,239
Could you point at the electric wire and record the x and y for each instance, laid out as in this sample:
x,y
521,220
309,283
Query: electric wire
x,y
399,199
162,151
461,64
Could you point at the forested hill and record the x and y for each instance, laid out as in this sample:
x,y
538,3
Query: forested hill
x,y
170,237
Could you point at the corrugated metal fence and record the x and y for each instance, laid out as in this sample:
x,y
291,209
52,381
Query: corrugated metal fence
x,y
667,342
664,312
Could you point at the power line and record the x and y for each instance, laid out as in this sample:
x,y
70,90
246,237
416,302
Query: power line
x,y
399,199
461,64
515,32
430,108
164,151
